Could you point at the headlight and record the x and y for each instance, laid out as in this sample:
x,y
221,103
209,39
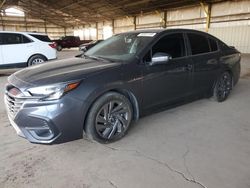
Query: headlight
x,y
52,92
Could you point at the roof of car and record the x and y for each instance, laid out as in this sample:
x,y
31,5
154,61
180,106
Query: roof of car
x,y
164,30
20,32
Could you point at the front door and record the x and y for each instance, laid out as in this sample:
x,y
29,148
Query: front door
x,y
14,49
169,82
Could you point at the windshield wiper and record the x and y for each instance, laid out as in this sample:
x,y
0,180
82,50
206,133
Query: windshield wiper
x,y
85,56
96,57
105,58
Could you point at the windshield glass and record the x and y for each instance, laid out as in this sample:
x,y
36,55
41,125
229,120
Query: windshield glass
x,y
121,47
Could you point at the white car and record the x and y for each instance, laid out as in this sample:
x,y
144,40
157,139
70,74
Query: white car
x,y
21,49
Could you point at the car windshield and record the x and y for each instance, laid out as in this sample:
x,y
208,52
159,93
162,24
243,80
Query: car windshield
x,y
121,47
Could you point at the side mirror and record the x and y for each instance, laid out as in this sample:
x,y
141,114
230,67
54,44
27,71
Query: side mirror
x,y
160,58
83,49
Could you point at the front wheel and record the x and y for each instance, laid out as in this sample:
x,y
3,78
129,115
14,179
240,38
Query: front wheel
x,y
109,118
223,87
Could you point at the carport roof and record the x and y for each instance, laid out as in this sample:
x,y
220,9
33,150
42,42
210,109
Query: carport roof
x,y
83,12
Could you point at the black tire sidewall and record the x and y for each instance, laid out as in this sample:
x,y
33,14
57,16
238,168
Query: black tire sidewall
x,y
215,92
59,48
90,122
35,57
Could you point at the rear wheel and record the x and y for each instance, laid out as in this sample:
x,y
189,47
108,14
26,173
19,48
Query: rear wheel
x,y
59,48
109,118
36,59
223,87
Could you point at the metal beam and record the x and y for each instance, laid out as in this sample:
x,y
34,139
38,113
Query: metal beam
x,y
2,3
97,32
48,11
208,17
3,26
71,4
111,5
84,6
64,29
45,26
25,21
131,8
207,12
113,26
103,23
134,22
165,19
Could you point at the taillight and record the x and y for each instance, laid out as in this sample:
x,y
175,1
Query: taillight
x,y
52,45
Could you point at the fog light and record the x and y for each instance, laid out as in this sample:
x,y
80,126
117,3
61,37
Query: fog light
x,y
41,133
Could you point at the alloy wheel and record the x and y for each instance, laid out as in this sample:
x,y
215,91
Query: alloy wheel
x,y
224,86
37,61
113,119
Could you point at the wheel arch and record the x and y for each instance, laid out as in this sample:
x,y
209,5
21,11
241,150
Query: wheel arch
x,y
46,59
131,97
210,92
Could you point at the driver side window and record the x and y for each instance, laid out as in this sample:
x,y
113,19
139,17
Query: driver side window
x,y
172,45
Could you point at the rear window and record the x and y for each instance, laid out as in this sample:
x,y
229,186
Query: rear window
x,y
213,45
13,38
43,38
198,43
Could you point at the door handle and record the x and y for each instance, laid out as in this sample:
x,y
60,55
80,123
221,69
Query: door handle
x,y
212,62
189,67
184,68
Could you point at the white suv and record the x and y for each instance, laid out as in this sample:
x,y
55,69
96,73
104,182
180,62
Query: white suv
x,y
21,49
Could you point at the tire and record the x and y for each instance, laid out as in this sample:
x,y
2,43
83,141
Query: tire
x,y
223,87
36,59
59,48
109,118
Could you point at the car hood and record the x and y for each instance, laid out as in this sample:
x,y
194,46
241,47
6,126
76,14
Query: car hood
x,y
60,71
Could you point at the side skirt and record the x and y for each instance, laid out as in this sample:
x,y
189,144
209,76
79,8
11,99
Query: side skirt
x,y
13,65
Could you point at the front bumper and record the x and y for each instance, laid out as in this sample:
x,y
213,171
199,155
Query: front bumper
x,y
47,122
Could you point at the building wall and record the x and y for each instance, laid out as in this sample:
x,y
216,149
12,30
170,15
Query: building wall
x,y
124,25
234,36
230,21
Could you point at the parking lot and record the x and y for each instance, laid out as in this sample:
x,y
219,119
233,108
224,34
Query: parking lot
x,y
200,144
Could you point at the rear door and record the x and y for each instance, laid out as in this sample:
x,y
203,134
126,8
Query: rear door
x,y
167,83
43,45
15,48
205,56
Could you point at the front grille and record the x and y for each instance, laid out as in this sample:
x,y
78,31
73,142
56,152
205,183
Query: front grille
x,y
15,99
13,104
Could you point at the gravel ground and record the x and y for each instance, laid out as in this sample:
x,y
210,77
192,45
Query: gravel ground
x,y
200,144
